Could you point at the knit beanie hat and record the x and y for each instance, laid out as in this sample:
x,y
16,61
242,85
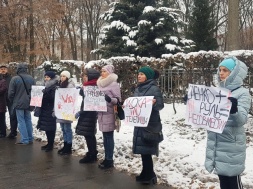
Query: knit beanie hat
x,y
50,74
229,63
92,73
4,66
66,73
148,72
109,68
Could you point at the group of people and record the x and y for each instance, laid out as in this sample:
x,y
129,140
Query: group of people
x,y
225,152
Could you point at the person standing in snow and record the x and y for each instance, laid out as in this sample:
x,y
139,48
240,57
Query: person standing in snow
x,y
87,122
107,83
226,152
46,121
147,86
66,82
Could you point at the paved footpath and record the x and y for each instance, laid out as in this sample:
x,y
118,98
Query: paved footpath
x,y
27,167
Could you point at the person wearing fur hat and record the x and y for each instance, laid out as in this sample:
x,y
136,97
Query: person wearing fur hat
x,y
147,86
66,82
87,122
46,121
107,83
226,151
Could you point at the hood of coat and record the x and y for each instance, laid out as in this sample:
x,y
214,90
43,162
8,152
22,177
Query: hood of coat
x,y
104,82
236,77
22,68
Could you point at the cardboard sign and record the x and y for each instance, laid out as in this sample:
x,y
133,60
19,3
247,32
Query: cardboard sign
x,y
94,99
66,103
36,95
207,107
137,110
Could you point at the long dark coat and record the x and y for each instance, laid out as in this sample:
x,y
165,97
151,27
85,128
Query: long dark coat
x,y
87,122
46,121
148,88
3,93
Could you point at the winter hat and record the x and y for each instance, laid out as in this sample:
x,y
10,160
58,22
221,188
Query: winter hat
x,y
91,73
229,63
50,74
148,72
109,68
4,66
66,73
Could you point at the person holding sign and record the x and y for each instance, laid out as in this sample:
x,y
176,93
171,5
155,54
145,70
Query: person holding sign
x,y
87,122
107,83
226,152
66,82
147,86
46,121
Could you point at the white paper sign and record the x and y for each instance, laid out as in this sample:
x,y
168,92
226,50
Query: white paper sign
x,y
36,95
137,110
66,103
207,107
94,99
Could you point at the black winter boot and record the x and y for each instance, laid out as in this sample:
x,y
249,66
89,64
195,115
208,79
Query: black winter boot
x,y
89,158
67,150
44,147
106,164
64,146
49,148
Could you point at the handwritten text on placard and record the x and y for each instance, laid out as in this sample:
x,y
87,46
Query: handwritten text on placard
x,y
137,110
207,107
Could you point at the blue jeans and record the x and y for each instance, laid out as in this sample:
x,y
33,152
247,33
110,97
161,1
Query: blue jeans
x,y
67,132
108,144
25,125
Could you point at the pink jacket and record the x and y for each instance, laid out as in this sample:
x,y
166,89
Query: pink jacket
x,y
109,86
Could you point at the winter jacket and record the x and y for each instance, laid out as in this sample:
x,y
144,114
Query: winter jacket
x,y
7,77
149,88
17,93
3,93
71,84
87,122
226,152
108,85
46,121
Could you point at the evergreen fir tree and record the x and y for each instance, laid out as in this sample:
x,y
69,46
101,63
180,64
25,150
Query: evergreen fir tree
x,y
201,27
139,29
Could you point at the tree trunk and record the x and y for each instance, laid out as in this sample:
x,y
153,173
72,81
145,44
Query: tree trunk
x,y
233,25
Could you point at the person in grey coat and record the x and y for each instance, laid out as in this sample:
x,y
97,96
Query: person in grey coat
x,y
19,94
226,152
107,83
147,86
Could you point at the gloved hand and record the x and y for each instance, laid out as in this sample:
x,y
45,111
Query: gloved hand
x,y
77,115
81,93
234,108
107,98
185,99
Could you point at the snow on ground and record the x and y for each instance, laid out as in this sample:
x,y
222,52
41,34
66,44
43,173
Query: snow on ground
x,y
182,153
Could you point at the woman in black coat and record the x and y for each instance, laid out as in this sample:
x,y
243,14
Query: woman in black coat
x,y
46,121
148,87
87,122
